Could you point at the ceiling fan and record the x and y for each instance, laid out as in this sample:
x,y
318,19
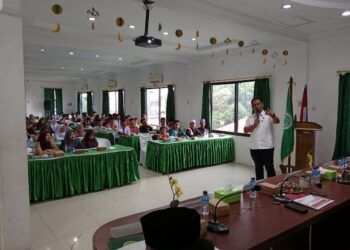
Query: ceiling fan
x,y
145,40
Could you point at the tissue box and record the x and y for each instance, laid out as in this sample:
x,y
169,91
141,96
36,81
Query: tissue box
x,y
222,209
268,188
101,149
329,174
79,151
234,195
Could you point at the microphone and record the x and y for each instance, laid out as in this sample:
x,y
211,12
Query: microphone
x,y
215,226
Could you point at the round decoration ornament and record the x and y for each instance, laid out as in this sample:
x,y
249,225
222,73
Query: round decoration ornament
x,y
213,41
119,21
57,28
264,52
178,33
57,9
288,121
240,44
285,52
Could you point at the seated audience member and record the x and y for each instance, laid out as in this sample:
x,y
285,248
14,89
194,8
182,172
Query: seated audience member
x,y
192,130
66,123
30,131
145,128
202,128
109,124
54,125
127,119
87,122
99,126
96,120
134,128
163,134
79,131
162,123
93,116
44,144
116,120
60,133
40,123
123,130
90,140
174,229
70,142
176,131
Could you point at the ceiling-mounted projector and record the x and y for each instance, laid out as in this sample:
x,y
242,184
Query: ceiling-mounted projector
x,y
145,40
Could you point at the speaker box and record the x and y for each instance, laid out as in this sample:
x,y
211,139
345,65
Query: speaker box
x,y
47,105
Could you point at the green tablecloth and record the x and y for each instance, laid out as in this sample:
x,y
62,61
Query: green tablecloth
x,y
168,157
131,141
107,135
74,174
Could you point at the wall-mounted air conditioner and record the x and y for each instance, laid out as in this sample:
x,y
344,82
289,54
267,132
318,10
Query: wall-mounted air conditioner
x,y
156,78
112,85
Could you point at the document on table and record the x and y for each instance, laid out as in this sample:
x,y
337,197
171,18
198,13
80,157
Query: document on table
x,y
313,201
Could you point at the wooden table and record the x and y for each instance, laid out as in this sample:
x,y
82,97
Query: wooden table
x,y
258,224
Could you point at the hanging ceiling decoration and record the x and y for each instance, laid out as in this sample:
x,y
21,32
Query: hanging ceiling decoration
x,y
119,21
145,40
57,10
93,14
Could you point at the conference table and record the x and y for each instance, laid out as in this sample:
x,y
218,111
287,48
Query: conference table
x,y
168,157
131,141
259,224
106,135
73,174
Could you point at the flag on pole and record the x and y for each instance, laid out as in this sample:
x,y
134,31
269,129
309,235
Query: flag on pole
x,y
303,111
288,126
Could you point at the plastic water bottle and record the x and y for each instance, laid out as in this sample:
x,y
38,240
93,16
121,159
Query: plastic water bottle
x,y
252,184
205,204
315,175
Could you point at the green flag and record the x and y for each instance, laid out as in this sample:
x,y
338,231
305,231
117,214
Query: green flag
x,y
288,127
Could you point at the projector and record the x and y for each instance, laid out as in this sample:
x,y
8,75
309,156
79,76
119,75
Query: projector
x,y
148,41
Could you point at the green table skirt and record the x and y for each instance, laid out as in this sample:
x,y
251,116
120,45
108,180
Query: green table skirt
x,y
131,141
107,135
77,174
169,157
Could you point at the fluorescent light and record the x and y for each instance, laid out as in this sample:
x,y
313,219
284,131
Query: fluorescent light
x,y
286,6
194,39
346,13
132,26
42,50
165,33
81,69
97,56
92,18
120,58
71,53
62,67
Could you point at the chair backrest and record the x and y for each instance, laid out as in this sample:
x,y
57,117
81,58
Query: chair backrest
x,y
102,142
144,138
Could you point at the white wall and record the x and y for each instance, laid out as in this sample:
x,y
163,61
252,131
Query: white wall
x,y
35,96
328,53
14,194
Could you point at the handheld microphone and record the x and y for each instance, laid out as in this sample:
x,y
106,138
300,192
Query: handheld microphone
x,y
215,226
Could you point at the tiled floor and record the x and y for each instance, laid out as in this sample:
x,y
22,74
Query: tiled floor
x,y
56,223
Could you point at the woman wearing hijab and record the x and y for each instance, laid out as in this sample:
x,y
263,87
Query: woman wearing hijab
x,y
89,140
70,142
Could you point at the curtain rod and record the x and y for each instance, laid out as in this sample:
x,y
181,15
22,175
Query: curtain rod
x,y
339,72
158,86
237,79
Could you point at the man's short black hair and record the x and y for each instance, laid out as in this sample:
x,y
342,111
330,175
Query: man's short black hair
x,y
256,98
176,121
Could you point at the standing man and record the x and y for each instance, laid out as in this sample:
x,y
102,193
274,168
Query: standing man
x,y
260,125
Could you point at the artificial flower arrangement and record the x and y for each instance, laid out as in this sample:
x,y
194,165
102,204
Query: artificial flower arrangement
x,y
176,190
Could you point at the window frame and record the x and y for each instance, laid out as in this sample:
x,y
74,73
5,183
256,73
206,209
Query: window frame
x,y
235,113
116,102
159,101
81,100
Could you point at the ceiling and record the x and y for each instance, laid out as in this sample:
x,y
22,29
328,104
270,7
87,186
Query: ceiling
x,y
257,23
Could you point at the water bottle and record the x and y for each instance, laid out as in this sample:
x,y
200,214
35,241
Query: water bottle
x,y
252,184
205,204
315,175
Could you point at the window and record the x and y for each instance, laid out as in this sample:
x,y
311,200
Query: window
x,y
156,104
84,102
231,106
113,102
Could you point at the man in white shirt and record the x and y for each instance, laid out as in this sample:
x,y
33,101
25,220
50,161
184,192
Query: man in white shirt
x,y
260,125
124,129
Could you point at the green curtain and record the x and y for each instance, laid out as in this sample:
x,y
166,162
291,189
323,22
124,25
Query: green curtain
x,y
78,103
89,103
121,103
49,97
342,141
143,101
262,90
59,106
206,105
105,102
170,103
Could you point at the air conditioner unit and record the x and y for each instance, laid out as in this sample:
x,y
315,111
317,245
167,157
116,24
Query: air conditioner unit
x,y
84,86
112,85
156,78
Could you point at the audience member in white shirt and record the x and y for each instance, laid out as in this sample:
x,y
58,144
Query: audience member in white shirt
x,y
60,133
124,130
